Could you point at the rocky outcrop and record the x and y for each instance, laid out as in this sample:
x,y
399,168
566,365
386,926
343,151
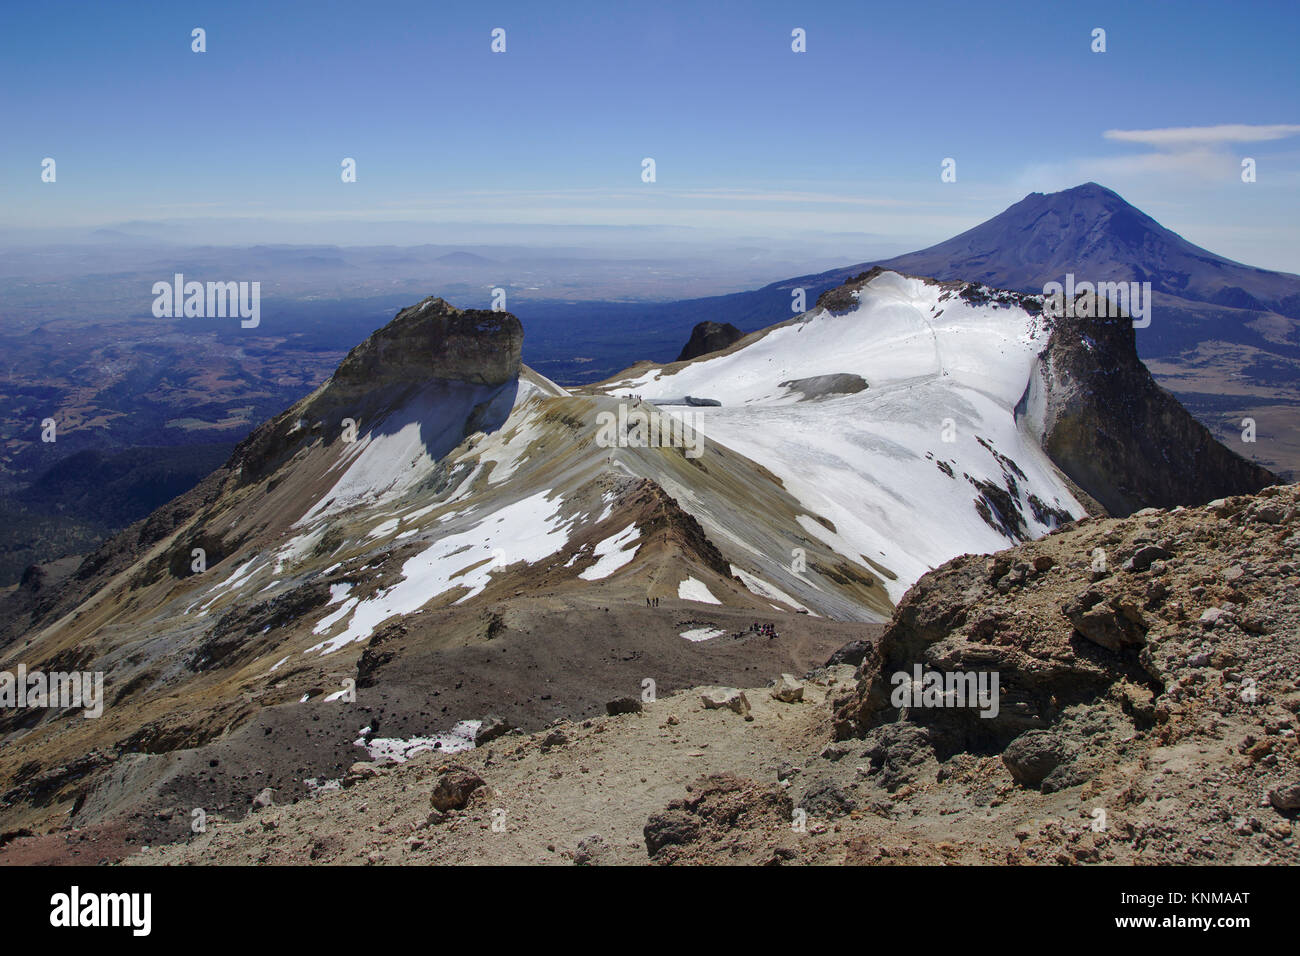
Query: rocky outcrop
x,y
661,518
1117,434
455,785
424,342
1106,638
433,339
709,337
823,386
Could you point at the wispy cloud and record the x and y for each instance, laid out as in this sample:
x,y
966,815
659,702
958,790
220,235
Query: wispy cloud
x,y
1181,155
1184,137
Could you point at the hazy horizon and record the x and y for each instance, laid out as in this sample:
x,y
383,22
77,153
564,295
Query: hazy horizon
x,y
243,143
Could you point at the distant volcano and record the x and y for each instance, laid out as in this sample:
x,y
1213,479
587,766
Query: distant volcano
x,y
1092,232
1224,337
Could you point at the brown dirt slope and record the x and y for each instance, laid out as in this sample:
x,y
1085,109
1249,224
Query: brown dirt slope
x,y
1147,715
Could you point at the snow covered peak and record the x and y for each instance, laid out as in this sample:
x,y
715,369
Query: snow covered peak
x,y
901,331
893,422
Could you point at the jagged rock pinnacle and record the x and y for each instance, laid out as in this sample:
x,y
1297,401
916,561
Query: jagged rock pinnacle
x,y
433,339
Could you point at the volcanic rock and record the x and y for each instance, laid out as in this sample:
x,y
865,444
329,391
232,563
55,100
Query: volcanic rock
x,y
454,787
709,337
1033,755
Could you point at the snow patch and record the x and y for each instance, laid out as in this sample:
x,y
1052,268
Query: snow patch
x,y
403,448
613,553
763,589
947,377
527,530
383,529
693,590
697,634
399,750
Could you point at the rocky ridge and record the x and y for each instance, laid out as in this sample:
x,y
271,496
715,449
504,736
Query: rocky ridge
x,y
1149,716
1101,417
589,638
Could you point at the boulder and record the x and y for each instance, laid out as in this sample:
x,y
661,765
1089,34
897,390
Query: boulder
x,y
1103,623
491,728
787,689
1143,557
717,698
623,705
1270,512
852,653
1033,755
824,798
454,787
556,738
1286,797
361,770
670,828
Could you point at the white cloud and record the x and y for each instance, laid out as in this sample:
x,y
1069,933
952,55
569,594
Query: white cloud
x,y
1182,156
1182,137
1127,173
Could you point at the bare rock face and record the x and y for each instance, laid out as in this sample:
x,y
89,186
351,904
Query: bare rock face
x,y
1117,434
1107,637
709,337
433,339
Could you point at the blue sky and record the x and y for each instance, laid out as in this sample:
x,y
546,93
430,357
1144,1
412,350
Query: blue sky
x,y
749,138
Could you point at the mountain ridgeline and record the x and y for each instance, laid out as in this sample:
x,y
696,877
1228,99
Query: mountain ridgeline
x,y
1223,337
438,522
